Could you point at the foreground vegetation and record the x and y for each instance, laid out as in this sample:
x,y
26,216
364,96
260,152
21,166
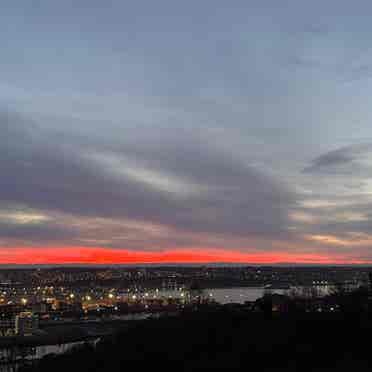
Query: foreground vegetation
x,y
231,340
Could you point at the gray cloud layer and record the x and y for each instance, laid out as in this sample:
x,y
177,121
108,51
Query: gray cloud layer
x,y
153,124
173,181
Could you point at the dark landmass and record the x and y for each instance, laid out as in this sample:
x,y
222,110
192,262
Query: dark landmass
x,y
228,339
168,276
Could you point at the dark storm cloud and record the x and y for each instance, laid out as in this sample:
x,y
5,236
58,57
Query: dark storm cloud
x,y
342,161
29,233
58,174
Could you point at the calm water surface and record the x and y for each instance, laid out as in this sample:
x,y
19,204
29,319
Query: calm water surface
x,y
242,294
238,294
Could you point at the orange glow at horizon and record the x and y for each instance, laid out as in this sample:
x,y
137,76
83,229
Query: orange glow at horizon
x,y
93,255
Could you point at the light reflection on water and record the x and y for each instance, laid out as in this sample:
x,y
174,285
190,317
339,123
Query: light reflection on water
x,y
239,295
235,294
242,294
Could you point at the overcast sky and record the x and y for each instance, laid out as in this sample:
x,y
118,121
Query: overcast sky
x,y
185,131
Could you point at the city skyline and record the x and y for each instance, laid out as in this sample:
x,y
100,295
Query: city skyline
x,y
185,133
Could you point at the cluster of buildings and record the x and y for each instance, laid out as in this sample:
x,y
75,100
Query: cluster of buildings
x,y
209,276
36,296
22,309
16,322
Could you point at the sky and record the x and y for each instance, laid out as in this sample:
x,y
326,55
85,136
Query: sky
x,y
185,131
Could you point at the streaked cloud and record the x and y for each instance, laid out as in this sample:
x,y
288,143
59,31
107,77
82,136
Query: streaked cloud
x,y
232,131
353,240
22,218
181,185
121,167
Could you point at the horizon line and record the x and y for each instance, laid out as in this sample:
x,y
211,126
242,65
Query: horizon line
x,y
198,264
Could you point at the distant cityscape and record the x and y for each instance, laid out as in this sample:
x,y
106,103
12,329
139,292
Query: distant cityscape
x,y
81,293
48,310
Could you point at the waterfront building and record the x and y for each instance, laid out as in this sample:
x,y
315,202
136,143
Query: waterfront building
x,y
26,323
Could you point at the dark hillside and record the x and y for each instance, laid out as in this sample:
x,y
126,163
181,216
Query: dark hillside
x,y
229,340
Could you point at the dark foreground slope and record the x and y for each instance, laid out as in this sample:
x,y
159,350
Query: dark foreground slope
x,y
229,340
